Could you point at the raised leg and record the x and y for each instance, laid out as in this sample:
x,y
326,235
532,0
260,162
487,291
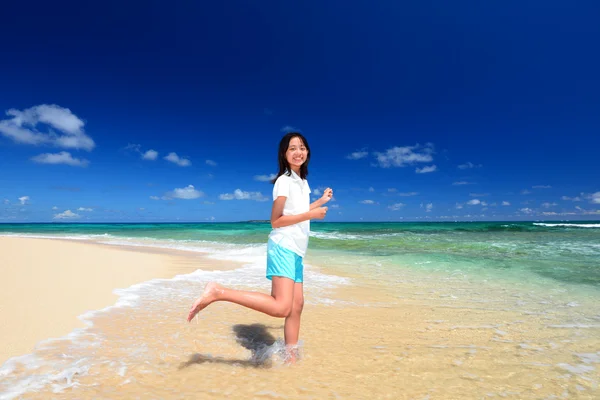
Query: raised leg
x,y
278,304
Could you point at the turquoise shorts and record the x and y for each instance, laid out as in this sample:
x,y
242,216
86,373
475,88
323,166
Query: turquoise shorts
x,y
284,262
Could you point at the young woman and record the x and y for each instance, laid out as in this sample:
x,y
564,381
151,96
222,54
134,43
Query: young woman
x,y
288,241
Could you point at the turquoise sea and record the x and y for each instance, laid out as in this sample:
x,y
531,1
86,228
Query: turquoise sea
x,y
562,252
546,274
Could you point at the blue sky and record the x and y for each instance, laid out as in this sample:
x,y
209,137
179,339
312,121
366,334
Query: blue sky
x,y
148,111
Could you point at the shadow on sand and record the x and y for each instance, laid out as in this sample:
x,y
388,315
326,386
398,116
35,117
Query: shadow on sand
x,y
255,338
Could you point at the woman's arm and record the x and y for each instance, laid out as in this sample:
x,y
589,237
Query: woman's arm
x,y
327,195
278,220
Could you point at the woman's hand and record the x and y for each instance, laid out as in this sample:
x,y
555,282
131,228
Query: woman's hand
x,y
318,213
327,195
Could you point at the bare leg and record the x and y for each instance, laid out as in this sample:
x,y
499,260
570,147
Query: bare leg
x,y
278,304
292,322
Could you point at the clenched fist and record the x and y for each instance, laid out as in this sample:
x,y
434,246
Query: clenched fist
x,y
318,213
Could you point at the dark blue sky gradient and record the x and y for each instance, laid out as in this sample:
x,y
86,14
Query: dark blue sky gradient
x,y
511,86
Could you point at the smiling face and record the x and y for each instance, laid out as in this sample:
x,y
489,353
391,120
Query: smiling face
x,y
296,154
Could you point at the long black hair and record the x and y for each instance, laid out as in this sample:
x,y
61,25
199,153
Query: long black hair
x,y
284,166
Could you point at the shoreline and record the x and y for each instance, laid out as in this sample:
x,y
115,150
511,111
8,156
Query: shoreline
x,y
47,284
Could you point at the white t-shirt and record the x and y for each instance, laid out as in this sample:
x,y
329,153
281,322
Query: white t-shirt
x,y
297,191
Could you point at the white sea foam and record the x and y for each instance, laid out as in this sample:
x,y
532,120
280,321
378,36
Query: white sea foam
x,y
568,225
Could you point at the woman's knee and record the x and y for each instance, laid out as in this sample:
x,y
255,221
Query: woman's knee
x,y
283,310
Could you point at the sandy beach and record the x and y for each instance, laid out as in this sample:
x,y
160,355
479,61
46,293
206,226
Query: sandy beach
x,y
403,339
45,285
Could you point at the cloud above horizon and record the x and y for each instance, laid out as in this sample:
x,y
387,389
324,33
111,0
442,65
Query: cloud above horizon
x,y
150,155
403,156
186,193
357,155
426,170
396,206
175,159
469,165
67,215
239,194
265,178
66,129
64,157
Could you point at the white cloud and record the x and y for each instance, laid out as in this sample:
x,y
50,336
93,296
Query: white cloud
x,y
67,215
526,210
371,189
288,129
541,187
174,158
459,206
461,183
576,198
265,178
186,193
154,198
22,127
54,208
334,206
24,200
396,206
239,194
6,201
427,169
505,203
428,207
357,155
478,194
317,192
367,202
408,194
64,157
473,202
150,155
525,191
468,165
147,155
548,205
211,163
595,197
84,209
407,155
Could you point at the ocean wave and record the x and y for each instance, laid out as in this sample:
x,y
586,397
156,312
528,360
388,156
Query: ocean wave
x,y
567,225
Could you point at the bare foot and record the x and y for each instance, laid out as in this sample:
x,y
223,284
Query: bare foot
x,y
208,296
292,355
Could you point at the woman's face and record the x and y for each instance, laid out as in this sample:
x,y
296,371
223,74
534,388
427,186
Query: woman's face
x,y
296,153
